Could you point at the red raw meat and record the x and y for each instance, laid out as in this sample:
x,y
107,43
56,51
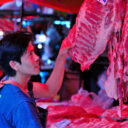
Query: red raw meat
x,y
115,70
125,45
94,25
57,113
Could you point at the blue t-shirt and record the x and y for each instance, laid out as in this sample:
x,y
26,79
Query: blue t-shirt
x,y
17,110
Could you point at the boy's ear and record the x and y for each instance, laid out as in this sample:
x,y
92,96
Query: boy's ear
x,y
14,65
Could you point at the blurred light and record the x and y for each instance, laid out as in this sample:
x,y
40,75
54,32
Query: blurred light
x,y
47,10
18,3
38,10
18,19
40,46
57,22
40,38
49,61
43,76
1,34
26,23
66,23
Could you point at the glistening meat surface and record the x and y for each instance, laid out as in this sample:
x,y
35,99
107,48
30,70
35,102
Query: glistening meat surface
x,y
90,34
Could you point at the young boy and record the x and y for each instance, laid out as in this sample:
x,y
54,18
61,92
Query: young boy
x,y
19,62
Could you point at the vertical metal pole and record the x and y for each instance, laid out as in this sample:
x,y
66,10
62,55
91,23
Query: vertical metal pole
x,y
21,14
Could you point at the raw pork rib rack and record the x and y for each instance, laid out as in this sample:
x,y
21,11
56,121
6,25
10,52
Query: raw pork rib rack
x,y
94,26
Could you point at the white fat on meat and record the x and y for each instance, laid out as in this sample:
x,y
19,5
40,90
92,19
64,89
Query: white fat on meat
x,y
111,84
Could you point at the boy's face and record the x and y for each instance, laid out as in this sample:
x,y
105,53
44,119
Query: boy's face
x,y
29,62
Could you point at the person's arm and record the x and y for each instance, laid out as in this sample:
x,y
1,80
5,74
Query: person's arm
x,y
55,80
24,115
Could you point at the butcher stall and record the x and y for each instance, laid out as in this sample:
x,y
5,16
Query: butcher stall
x,y
100,25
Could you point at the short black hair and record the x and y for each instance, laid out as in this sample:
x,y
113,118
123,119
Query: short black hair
x,y
12,47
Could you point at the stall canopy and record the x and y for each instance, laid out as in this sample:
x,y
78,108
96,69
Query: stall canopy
x,y
69,6
4,1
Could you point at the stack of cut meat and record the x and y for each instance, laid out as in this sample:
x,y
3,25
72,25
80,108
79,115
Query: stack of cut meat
x,y
77,117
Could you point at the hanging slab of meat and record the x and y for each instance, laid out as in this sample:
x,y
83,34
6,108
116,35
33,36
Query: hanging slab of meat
x,y
124,47
113,84
125,31
90,34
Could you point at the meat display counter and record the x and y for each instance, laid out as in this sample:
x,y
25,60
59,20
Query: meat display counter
x,y
85,111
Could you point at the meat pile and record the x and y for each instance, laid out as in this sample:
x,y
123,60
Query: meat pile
x,y
67,116
81,110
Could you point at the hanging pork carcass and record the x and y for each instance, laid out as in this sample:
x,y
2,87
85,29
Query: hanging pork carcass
x,y
92,30
115,54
